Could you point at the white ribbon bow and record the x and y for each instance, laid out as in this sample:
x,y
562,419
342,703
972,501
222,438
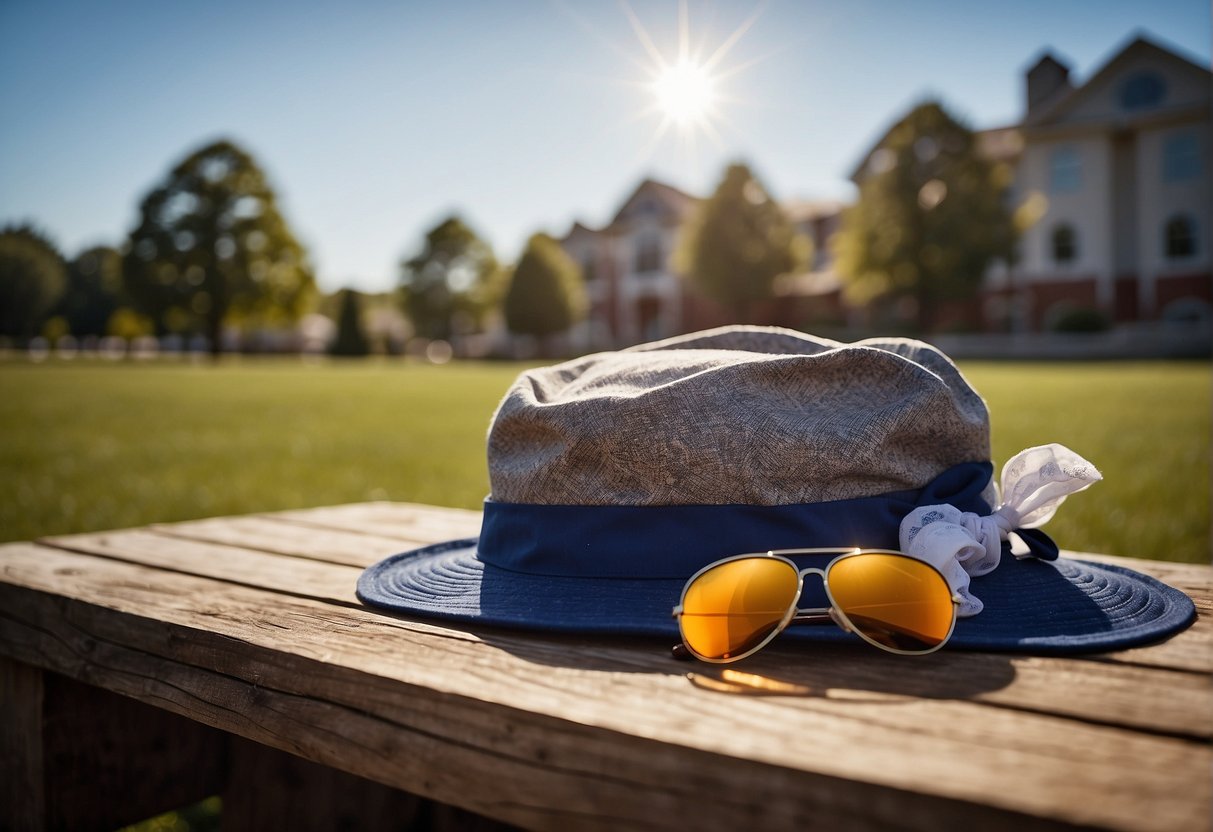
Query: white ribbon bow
x,y
961,544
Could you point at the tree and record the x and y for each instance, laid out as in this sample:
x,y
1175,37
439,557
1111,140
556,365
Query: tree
x,y
351,338
546,293
32,280
930,217
738,242
451,278
211,247
94,290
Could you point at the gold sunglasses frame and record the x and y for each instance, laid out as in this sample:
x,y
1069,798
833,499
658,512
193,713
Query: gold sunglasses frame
x,y
819,615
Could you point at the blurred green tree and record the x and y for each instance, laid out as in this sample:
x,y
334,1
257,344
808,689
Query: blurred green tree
x,y
351,337
449,286
32,280
211,247
94,290
930,218
546,294
738,242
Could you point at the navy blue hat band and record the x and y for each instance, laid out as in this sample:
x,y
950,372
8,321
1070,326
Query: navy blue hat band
x,y
675,541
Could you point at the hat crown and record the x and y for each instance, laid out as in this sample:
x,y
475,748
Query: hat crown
x,y
738,415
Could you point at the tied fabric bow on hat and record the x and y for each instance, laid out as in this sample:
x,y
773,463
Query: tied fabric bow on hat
x,y
964,545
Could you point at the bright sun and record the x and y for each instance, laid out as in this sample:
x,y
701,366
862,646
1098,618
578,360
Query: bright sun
x,y
685,93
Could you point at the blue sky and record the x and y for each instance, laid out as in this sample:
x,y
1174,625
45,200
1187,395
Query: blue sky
x,y
375,119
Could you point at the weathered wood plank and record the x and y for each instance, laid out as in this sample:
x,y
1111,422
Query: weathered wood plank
x,y
1024,682
91,759
464,692
270,534
112,760
411,521
269,789
249,567
22,792
533,776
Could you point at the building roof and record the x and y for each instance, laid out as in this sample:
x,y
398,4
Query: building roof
x,y
1138,46
1005,143
675,201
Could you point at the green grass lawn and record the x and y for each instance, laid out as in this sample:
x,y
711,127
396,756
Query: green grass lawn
x,y
89,446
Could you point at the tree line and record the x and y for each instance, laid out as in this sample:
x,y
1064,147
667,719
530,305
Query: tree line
x,y
211,249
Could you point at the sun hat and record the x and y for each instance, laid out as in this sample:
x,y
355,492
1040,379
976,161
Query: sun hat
x,y
618,475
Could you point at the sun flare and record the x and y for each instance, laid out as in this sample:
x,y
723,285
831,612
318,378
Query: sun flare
x,y
685,93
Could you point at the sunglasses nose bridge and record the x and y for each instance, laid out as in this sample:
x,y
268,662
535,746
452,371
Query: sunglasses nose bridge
x,y
805,591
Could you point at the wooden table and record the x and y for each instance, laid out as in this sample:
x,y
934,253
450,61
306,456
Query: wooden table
x,y
143,669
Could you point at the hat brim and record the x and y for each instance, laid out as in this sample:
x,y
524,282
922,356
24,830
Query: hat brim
x,y
1031,606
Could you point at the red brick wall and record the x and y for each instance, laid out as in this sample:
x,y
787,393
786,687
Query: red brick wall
x,y
1172,288
1125,307
1044,296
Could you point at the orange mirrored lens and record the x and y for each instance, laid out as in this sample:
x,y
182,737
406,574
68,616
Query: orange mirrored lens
x,y
894,600
731,608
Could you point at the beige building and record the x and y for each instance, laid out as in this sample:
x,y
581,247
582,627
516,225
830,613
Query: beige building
x,y
1118,170
636,293
1115,171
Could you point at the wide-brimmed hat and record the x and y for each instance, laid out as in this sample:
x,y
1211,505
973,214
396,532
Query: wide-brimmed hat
x,y
618,475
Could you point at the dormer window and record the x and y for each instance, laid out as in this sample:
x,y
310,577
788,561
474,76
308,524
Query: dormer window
x,y
1145,89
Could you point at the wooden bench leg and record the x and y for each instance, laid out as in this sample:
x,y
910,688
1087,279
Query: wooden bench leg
x,y
77,757
270,789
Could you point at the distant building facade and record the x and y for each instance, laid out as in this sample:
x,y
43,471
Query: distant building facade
x,y
1121,166
1116,173
636,294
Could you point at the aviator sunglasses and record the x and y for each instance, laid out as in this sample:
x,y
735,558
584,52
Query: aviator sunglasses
x,y
734,607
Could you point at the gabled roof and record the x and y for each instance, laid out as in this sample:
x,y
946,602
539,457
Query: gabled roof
x,y
1138,47
674,201
578,230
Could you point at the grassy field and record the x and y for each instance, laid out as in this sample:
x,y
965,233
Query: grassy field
x,y
96,446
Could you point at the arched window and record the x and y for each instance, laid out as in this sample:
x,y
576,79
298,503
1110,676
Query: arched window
x,y
1145,89
1065,244
648,253
1179,237
1065,170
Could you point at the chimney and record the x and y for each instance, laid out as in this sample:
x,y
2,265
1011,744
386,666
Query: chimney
x,y
1044,80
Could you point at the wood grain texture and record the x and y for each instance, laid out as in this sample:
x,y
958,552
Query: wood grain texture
x,y
928,747
1112,694
112,760
22,796
89,759
268,789
542,730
